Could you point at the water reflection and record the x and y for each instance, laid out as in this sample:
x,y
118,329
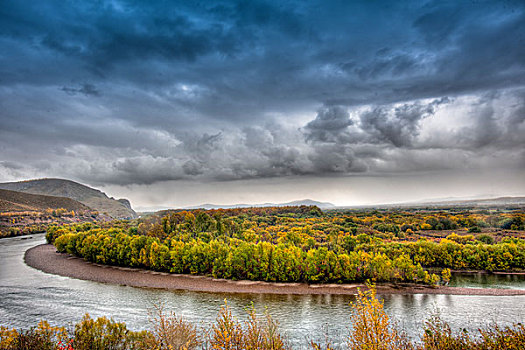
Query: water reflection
x,y
486,280
29,295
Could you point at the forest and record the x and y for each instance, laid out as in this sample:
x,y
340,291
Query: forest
x,y
304,244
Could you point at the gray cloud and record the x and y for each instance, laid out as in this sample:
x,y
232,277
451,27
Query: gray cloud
x,y
11,165
398,125
338,140
329,125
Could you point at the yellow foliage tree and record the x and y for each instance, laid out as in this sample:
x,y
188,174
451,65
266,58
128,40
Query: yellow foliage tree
x,y
371,327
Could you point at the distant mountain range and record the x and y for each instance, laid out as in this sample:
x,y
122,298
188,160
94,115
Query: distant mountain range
x,y
322,205
445,202
93,198
13,201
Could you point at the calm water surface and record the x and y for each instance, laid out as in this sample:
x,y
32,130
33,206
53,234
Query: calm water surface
x,y
28,295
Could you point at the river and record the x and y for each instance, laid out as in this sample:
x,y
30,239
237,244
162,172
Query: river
x,y
28,295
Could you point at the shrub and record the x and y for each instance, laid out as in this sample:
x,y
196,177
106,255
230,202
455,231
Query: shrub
x,y
485,238
229,333
474,229
371,328
446,275
438,336
102,334
506,338
41,337
171,332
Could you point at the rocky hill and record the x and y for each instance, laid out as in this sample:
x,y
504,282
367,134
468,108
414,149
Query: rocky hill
x,y
13,201
88,196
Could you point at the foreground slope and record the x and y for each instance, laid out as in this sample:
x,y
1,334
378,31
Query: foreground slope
x,y
91,197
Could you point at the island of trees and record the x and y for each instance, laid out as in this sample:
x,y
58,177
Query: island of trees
x,y
303,244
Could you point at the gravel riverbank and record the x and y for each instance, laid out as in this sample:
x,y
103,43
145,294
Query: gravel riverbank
x,y
45,258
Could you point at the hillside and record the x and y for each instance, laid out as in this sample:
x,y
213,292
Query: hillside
x,y
25,213
91,197
13,201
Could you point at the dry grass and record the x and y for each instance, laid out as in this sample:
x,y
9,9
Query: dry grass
x,y
255,333
439,336
171,332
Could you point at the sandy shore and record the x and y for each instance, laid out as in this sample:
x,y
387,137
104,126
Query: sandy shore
x,y
45,258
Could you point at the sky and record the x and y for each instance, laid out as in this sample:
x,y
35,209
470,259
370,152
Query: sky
x,y
179,103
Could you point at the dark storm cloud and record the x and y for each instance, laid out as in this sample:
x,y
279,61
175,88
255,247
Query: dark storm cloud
x,y
437,41
336,158
108,32
137,92
329,124
86,89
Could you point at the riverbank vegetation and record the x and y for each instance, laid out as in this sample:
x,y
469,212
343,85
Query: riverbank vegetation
x,y
369,328
303,244
21,223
